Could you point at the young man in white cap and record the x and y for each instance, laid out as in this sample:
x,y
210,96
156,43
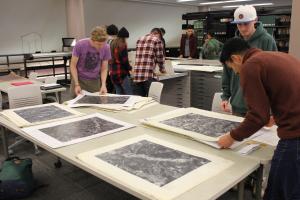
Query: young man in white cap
x,y
253,32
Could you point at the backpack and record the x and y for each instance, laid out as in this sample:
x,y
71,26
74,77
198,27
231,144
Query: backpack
x,y
16,178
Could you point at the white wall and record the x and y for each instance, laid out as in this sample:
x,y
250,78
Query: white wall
x,y
138,18
46,19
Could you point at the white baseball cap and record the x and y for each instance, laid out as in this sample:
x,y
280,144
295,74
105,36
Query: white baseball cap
x,y
244,14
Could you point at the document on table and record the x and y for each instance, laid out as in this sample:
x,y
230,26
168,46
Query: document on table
x,y
269,137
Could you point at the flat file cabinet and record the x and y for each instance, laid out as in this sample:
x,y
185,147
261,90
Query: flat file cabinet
x,y
203,87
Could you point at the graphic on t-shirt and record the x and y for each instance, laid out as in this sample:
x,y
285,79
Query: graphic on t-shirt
x,y
91,60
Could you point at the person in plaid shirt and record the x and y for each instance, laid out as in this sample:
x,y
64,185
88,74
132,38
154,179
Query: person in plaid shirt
x,y
149,53
119,66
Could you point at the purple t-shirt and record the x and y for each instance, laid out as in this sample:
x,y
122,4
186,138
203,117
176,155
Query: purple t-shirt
x,y
90,59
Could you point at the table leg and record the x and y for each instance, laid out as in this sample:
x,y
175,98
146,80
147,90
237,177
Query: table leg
x,y
4,141
241,190
58,97
66,70
258,184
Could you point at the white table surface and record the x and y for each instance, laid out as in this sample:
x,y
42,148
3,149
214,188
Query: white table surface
x,y
203,68
209,189
7,84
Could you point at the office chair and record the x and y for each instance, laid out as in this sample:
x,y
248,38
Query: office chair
x,y
21,96
155,91
216,104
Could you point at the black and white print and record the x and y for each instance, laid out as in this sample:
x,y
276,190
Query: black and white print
x,y
44,113
87,99
197,123
80,129
153,162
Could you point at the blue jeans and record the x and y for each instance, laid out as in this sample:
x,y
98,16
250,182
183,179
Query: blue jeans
x,y
284,177
124,88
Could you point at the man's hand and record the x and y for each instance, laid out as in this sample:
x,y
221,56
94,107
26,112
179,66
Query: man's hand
x,y
225,106
225,141
163,71
103,90
77,90
181,56
190,57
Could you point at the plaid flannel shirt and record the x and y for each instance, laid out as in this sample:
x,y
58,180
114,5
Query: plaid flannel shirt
x,y
119,66
149,52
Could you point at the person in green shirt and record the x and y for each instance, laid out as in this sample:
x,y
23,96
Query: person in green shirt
x,y
253,32
211,47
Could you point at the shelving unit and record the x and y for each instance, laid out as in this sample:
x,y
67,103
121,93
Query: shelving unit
x,y
275,20
199,28
282,32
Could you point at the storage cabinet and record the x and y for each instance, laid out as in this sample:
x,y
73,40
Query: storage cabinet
x,y
203,87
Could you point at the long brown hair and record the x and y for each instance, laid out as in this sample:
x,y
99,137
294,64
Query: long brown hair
x,y
117,43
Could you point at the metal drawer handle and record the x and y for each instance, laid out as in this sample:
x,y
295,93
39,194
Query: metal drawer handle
x,y
217,76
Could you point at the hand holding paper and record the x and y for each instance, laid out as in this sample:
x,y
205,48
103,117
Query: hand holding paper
x,y
225,141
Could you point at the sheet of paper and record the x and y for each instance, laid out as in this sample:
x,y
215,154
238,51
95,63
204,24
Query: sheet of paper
x,y
75,130
114,102
199,124
39,114
248,149
236,143
267,137
155,168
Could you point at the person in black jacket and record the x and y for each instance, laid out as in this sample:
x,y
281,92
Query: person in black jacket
x,y
188,44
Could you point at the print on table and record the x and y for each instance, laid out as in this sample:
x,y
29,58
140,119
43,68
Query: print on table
x,y
197,123
80,129
102,100
153,162
44,113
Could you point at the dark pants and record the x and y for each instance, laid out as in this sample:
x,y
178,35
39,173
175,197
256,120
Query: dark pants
x,y
284,177
142,88
109,85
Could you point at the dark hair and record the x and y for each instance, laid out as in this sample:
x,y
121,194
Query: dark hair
x,y
233,46
156,30
189,26
123,33
212,34
112,29
162,30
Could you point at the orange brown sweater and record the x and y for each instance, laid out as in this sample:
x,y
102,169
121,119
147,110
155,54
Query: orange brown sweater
x,y
270,80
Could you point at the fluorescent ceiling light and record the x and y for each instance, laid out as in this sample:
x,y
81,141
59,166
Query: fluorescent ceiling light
x,y
185,0
257,4
222,2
